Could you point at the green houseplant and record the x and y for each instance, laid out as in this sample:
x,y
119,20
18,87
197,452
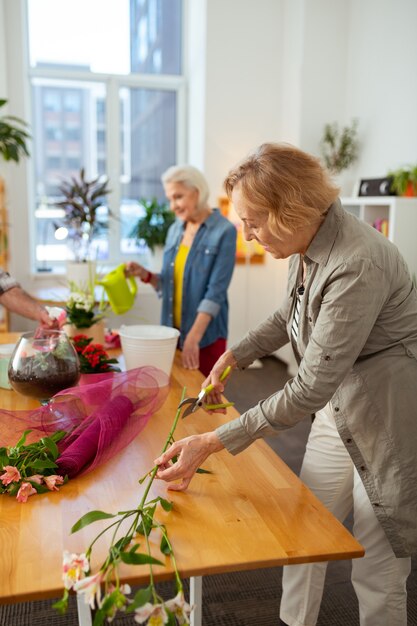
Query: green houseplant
x,y
339,146
404,180
13,137
153,226
81,200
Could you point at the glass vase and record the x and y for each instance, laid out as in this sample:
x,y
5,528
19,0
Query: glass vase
x,y
43,363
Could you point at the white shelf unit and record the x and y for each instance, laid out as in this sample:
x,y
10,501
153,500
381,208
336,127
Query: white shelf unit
x,y
401,214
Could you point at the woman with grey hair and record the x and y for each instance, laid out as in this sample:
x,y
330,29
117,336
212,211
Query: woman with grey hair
x,y
199,258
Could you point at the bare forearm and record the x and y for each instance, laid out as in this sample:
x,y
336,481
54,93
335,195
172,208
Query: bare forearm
x,y
18,301
199,327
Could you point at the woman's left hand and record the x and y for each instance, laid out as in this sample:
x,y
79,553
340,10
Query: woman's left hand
x,y
191,452
190,353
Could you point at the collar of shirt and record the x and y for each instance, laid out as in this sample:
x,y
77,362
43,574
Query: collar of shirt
x,y
321,246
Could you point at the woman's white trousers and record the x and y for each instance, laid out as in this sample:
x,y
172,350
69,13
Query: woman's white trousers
x,y
379,578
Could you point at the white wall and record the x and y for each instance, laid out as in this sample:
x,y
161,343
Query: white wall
x,y
381,86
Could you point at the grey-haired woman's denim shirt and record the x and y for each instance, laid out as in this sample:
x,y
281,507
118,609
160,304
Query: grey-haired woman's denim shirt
x,y
357,348
207,274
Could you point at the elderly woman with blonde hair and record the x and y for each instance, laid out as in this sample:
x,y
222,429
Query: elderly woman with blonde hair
x,y
351,316
199,258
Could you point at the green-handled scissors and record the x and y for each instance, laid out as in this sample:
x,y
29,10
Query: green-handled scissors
x,y
195,403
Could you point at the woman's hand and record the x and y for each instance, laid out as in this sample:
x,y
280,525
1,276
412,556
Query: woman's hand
x,y
191,452
215,397
190,354
134,269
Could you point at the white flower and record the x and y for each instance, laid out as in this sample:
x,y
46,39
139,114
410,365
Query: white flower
x,y
91,588
74,568
155,613
180,608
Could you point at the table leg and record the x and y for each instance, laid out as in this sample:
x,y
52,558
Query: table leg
x,y
84,612
196,599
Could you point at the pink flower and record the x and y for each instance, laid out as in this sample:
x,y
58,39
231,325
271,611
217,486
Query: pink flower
x,y
52,481
24,492
11,475
36,478
180,608
74,568
155,613
91,588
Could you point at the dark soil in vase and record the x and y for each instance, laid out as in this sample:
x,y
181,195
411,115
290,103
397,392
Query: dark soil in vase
x,y
42,380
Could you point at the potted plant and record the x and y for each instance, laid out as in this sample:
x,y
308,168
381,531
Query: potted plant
x,y
82,199
13,137
153,226
84,315
339,147
404,181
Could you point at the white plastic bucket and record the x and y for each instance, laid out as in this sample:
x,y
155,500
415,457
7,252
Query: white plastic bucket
x,y
149,345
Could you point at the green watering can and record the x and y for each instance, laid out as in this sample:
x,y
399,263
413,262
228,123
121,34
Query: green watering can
x,y
121,291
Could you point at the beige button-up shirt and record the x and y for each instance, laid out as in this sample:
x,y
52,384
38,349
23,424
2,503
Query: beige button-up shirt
x,y
357,347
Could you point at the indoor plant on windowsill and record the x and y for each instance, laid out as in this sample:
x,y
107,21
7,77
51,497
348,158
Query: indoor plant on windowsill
x,y
152,228
81,204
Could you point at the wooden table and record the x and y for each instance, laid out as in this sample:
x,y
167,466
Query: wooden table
x,y
251,512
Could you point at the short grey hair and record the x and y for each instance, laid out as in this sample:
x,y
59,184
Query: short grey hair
x,y
190,177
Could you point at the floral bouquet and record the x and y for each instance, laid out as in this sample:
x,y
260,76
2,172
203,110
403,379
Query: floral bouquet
x,y
93,358
30,468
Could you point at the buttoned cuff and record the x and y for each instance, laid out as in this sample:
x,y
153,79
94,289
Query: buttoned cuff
x,y
233,436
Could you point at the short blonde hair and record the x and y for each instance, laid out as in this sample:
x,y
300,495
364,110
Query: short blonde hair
x,y
190,177
287,184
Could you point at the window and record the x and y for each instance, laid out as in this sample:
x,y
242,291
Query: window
x,y
112,104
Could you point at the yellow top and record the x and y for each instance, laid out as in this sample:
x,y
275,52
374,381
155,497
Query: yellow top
x,y
179,266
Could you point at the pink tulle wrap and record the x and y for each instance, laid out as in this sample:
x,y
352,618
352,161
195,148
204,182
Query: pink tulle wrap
x,y
100,418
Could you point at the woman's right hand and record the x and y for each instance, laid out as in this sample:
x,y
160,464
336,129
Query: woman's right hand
x,y
215,396
134,269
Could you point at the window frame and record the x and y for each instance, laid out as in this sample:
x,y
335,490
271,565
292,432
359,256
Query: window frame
x,y
113,83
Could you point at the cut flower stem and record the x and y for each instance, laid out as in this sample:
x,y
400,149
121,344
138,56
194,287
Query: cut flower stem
x,y
147,605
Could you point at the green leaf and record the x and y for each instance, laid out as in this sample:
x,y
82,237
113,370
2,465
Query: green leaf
x,y
141,597
22,439
51,445
42,464
39,488
133,558
164,546
135,547
171,618
99,617
62,604
146,524
200,470
89,518
123,542
166,504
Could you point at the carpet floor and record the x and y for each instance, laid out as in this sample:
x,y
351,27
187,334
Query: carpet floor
x,y
243,598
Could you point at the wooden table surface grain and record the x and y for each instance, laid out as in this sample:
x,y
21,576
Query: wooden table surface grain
x,y
250,512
